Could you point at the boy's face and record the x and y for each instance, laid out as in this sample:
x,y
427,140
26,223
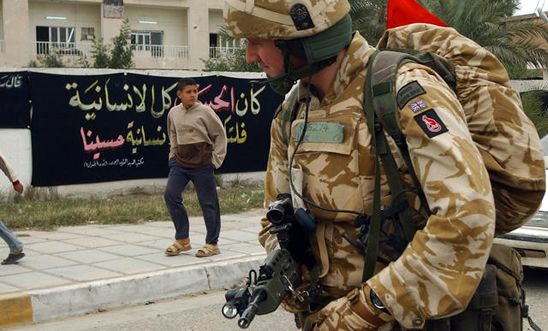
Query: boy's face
x,y
188,95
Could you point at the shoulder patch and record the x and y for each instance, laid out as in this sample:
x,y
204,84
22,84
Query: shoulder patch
x,y
431,123
418,105
408,92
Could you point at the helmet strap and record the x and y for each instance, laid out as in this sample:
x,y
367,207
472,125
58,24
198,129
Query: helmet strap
x,y
284,82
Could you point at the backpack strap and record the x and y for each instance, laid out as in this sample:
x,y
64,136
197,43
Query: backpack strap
x,y
380,108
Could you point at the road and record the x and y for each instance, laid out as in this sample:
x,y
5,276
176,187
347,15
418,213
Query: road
x,y
203,312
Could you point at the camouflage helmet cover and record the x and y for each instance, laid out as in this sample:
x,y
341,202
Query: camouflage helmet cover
x,y
282,20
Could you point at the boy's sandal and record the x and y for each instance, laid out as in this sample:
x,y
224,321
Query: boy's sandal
x,y
176,248
208,250
13,258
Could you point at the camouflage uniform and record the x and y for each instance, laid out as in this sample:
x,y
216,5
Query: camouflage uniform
x,y
437,273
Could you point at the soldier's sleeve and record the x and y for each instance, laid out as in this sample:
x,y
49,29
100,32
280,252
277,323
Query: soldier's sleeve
x,y
440,269
276,176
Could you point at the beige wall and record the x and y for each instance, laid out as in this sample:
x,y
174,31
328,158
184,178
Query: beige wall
x,y
16,32
172,21
184,23
78,16
215,20
1,22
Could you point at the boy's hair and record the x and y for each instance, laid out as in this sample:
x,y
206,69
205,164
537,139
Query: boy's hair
x,y
183,82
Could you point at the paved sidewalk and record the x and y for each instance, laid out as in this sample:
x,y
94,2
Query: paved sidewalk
x,y
80,269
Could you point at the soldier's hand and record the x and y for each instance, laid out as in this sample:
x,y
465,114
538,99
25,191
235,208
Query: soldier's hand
x,y
352,312
291,303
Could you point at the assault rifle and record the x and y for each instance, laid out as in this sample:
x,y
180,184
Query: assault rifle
x,y
279,275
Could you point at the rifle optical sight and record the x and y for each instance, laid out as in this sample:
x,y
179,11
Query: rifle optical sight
x,y
280,209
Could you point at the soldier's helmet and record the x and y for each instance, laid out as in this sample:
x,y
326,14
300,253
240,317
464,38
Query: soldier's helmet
x,y
312,30
282,20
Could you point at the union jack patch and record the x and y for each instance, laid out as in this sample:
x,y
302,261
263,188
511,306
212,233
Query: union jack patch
x,y
418,105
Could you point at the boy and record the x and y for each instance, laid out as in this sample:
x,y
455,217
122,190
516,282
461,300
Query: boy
x,y
197,147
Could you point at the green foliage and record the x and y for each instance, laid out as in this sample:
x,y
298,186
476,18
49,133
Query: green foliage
x,y
536,110
51,60
100,53
486,22
516,72
369,18
232,61
121,54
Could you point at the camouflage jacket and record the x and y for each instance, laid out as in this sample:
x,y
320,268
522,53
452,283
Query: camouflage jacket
x,y
438,272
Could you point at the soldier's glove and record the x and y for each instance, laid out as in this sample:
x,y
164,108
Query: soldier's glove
x,y
352,312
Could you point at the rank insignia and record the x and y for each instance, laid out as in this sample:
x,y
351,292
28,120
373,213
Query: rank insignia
x,y
431,123
418,105
408,92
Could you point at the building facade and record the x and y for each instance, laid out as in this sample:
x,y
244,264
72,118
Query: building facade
x,y
174,34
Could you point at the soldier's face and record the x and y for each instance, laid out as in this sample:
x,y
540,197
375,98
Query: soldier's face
x,y
266,55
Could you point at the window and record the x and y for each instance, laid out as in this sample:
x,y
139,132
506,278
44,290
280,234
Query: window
x,y
87,34
60,38
141,40
148,42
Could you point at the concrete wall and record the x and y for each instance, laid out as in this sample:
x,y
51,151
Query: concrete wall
x,y
172,21
215,20
1,21
184,23
16,32
15,145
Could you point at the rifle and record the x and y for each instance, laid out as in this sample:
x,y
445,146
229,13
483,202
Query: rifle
x,y
279,274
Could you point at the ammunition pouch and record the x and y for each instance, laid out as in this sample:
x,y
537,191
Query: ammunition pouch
x,y
499,301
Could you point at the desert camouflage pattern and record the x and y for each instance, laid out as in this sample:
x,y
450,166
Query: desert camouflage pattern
x,y
353,312
506,138
270,19
437,273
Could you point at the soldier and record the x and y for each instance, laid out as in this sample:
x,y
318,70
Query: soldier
x,y
436,274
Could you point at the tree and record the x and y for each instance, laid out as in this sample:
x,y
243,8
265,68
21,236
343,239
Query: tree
x,y
486,22
231,61
369,17
100,53
121,55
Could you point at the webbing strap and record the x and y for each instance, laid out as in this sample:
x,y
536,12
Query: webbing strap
x,y
372,244
380,109
383,79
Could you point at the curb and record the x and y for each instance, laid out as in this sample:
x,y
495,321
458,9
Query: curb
x,y
61,302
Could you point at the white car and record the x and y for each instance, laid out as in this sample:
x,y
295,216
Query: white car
x,y
531,239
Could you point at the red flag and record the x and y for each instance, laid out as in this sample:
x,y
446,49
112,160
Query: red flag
x,y
403,12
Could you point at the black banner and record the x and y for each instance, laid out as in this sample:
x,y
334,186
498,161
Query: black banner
x,y
113,127
14,100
